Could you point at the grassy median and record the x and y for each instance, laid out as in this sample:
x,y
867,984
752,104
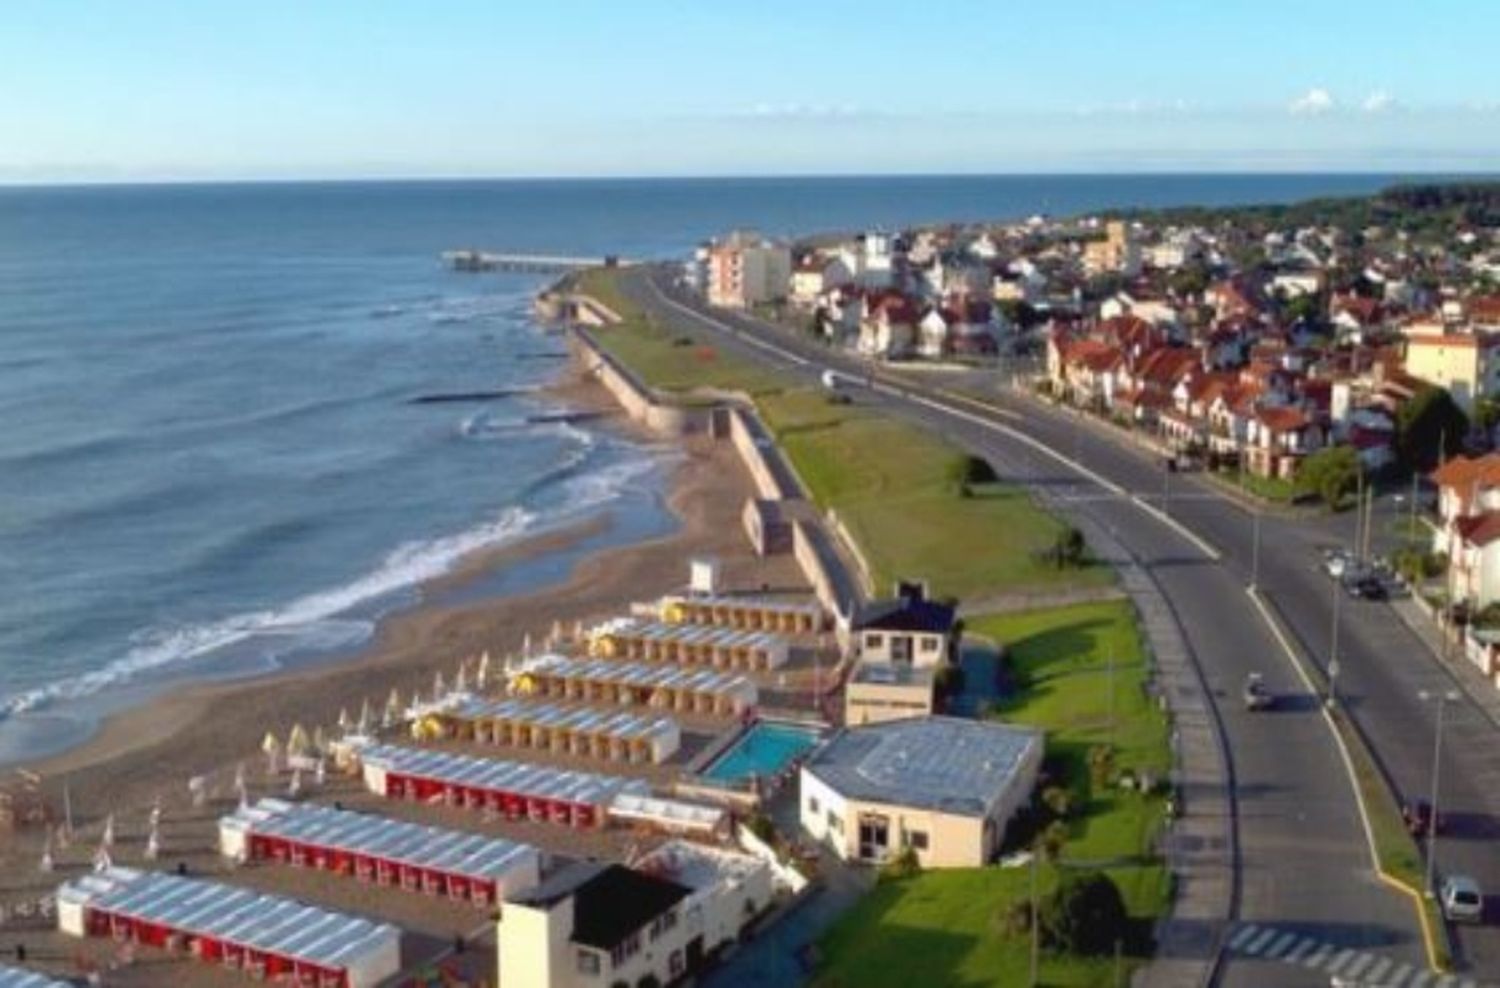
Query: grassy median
x,y
886,479
949,927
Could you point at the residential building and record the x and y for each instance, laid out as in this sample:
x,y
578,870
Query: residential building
x,y
1466,364
599,925
942,787
1117,253
882,691
744,269
907,629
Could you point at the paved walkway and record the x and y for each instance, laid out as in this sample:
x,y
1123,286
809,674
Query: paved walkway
x,y
1200,846
1480,691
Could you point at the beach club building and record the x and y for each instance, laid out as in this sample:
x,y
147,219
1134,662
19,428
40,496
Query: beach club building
x,y
583,732
449,863
909,628
638,640
267,937
622,684
514,789
600,925
945,787
14,977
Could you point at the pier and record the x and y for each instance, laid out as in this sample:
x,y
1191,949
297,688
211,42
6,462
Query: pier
x,y
478,260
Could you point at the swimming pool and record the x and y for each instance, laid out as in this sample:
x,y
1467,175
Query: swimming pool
x,y
763,750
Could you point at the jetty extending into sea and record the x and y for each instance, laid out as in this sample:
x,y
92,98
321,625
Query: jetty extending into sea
x,y
478,260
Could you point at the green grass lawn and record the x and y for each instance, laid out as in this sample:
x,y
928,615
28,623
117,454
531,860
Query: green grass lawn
x,y
885,478
947,927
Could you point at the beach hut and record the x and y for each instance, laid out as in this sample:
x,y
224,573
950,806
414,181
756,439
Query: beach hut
x,y
747,613
15,977
565,730
639,640
268,937
516,790
663,687
457,865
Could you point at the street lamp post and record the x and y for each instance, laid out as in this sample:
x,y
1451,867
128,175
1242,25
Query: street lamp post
x,y
1255,549
1443,699
1333,645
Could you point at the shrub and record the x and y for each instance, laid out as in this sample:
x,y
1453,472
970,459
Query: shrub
x,y
1085,915
1101,765
962,472
761,826
903,865
1052,840
1059,800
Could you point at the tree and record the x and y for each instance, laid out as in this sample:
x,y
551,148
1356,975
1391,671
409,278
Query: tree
x,y
1431,419
1330,473
1069,548
1084,915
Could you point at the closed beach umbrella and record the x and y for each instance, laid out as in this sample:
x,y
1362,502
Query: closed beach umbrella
x,y
107,839
526,645
461,679
295,788
365,717
153,844
272,747
438,687
297,742
344,722
319,741
47,864
393,708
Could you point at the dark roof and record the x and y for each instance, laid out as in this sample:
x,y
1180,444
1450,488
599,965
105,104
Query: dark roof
x,y
910,611
617,902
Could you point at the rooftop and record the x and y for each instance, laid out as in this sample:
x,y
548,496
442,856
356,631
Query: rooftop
x,y
950,764
610,902
909,610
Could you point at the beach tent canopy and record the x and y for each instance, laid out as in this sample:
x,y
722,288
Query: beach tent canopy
x,y
573,730
688,644
268,935
663,686
514,788
14,977
745,612
373,847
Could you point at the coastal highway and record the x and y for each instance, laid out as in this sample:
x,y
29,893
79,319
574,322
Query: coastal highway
x,y
1304,870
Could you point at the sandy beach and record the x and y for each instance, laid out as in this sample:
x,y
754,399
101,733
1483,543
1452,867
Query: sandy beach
x,y
149,753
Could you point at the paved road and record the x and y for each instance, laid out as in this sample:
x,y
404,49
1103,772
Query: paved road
x,y
1304,866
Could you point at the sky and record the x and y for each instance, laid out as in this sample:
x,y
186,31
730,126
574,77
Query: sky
x,y
163,90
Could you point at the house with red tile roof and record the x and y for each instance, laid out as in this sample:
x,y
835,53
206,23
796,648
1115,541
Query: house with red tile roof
x,y
1278,437
1469,526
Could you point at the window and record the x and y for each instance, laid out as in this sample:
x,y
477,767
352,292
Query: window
x,y
625,949
834,823
812,805
916,840
929,644
873,641
663,923
588,963
674,963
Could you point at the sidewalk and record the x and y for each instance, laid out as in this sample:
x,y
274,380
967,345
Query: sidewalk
x,y
1200,846
1480,691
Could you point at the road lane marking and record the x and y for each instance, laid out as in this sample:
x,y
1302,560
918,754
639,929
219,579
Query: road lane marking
x,y
1337,964
1375,973
1243,936
1305,945
1259,943
1360,963
1398,977
1279,947
1320,956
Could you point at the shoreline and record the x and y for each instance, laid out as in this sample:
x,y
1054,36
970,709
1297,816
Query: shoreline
x,y
203,728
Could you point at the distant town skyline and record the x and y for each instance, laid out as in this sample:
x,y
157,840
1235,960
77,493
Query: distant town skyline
x,y
159,90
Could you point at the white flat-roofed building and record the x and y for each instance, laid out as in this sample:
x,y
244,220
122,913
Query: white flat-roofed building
x,y
945,787
468,867
14,977
268,937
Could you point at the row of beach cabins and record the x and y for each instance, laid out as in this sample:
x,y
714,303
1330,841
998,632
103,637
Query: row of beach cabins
x,y
693,658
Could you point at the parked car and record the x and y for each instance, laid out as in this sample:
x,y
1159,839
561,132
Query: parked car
x,y
1257,696
1418,816
1461,899
1365,587
1336,562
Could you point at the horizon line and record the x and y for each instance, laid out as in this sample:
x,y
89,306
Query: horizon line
x,y
418,179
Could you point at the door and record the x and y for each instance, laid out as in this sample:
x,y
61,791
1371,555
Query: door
x,y
874,838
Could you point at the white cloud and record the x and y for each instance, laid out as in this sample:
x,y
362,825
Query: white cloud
x,y
1313,102
1378,102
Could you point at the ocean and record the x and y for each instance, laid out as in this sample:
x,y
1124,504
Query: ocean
x,y
211,464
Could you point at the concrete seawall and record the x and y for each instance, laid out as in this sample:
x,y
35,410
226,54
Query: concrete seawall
x,y
731,415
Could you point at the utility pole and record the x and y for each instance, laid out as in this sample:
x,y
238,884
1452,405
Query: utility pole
x,y
1359,514
1443,699
1111,666
1255,550
1333,646
1036,933
1411,528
